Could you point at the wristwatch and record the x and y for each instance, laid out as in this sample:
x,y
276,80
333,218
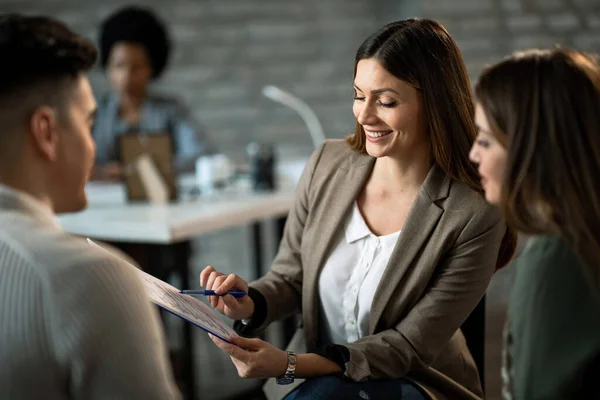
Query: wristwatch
x,y
290,372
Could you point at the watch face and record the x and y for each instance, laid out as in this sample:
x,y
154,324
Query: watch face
x,y
284,380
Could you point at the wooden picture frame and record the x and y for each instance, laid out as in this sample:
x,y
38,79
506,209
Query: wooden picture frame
x,y
159,146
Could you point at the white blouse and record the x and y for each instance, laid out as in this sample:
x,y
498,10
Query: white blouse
x,y
350,278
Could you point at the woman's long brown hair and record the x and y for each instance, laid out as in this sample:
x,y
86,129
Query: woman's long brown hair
x,y
545,104
422,53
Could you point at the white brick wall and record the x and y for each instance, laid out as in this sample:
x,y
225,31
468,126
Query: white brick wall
x,y
225,51
488,30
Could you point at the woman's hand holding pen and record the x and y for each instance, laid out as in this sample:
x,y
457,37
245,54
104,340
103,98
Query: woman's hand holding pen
x,y
242,308
253,358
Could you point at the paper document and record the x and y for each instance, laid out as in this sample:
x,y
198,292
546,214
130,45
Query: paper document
x,y
184,306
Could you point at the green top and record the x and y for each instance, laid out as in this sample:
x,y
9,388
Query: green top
x,y
553,331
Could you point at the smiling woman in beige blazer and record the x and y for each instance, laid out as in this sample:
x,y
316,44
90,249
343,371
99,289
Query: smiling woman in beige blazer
x,y
387,327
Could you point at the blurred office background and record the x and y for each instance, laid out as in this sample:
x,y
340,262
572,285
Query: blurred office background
x,y
225,51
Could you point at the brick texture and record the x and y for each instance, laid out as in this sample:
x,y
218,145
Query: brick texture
x,y
226,51
487,30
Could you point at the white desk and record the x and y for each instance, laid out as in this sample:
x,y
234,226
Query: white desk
x,y
109,217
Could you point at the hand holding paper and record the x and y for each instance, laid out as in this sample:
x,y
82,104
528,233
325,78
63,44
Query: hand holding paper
x,y
254,358
187,307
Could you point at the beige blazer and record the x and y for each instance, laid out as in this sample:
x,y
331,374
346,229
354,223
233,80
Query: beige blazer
x,y
436,275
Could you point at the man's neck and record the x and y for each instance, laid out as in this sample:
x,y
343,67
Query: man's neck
x,y
29,187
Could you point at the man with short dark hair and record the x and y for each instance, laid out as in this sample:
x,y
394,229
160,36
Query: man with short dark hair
x,y
74,320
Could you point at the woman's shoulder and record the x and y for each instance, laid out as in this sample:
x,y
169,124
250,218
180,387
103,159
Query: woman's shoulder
x,y
552,302
336,153
462,194
549,261
466,214
339,148
463,200
549,250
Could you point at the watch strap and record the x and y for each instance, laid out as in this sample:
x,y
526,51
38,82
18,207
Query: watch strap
x,y
290,372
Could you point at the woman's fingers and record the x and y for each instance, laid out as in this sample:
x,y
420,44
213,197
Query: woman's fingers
x,y
247,343
210,286
221,283
232,304
232,282
232,350
211,279
218,283
214,300
204,275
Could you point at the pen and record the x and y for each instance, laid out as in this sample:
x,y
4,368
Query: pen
x,y
235,293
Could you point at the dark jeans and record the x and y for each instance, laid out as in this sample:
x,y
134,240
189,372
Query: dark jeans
x,y
333,388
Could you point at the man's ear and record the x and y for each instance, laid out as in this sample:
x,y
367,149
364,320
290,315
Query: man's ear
x,y
44,135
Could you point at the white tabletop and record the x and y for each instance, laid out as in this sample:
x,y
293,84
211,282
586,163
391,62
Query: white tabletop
x,y
109,217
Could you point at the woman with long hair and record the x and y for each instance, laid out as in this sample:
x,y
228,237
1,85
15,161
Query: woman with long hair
x,y
390,244
538,154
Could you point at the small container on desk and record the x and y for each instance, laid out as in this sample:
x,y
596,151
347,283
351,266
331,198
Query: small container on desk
x,y
262,159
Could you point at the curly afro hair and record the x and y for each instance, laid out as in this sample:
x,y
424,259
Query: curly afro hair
x,y
136,25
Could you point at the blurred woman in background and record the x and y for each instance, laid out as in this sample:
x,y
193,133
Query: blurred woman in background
x,y
538,154
134,50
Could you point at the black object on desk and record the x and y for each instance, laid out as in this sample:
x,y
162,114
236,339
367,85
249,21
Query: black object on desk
x,y
262,166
